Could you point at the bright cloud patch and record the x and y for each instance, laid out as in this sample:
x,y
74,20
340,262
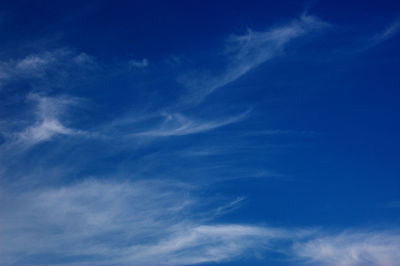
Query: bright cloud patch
x,y
140,223
56,65
352,249
47,124
154,222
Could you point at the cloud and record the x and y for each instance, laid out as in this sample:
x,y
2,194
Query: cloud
x,y
109,222
35,64
125,223
351,249
51,64
179,125
139,63
208,243
229,207
389,32
83,59
47,122
114,222
246,52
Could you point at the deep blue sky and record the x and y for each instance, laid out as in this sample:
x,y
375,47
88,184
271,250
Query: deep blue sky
x,y
199,132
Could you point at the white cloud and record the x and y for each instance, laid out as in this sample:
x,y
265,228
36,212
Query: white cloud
x,y
132,223
162,223
45,130
246,52
352,249
139,63
179,125
47,120
35,63
208,243
83,59
39,66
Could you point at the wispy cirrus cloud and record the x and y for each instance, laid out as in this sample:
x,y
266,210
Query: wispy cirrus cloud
x,y
106,222
126,223
351,248
391,31
51,64
210,243
243,53
378,38
177,124
47,124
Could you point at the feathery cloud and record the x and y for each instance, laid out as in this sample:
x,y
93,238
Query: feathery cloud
x,y
246,52
47,120
351,249
162,222
44,65
132,223
378,38
179,125
389,32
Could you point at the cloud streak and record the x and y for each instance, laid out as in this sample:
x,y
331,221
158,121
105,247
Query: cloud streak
x,y
162,223
210,243
128,223
47,120
42,65
389,32
246,52
179,125
351,249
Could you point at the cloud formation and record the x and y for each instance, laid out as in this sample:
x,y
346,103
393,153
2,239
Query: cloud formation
x,y
47,122
107,222
97,221
128,223
139,63
246,52
378,38
52,64
179,125
351,249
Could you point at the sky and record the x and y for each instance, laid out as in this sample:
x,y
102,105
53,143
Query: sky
x,y
157,133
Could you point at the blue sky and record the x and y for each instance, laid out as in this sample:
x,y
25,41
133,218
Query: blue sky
x,y
199,133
